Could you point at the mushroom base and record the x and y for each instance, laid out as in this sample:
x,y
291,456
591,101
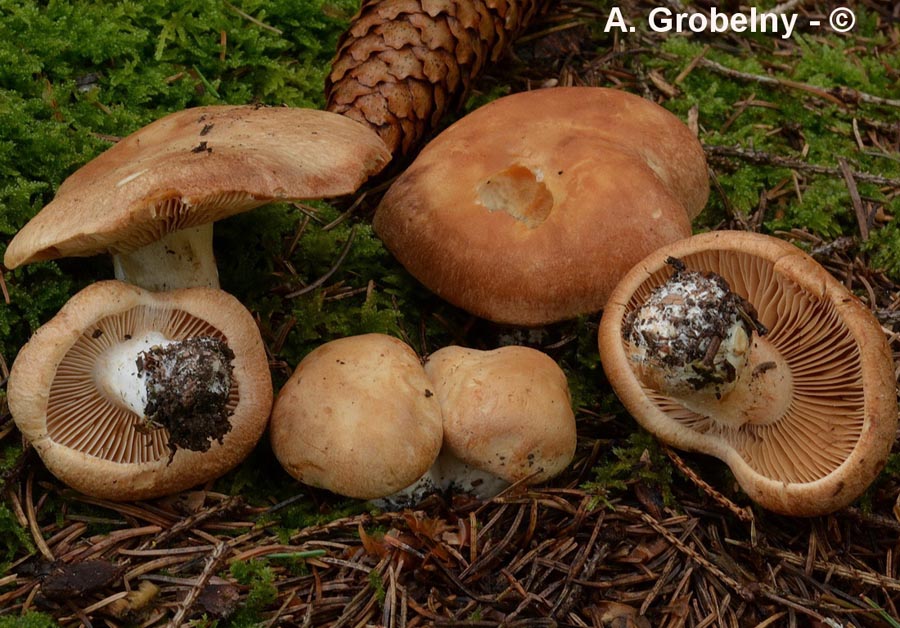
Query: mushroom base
x,y
182,386
761,393
448,474
188,385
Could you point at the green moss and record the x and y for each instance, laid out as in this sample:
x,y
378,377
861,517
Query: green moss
x,y
825,210
884,245
30,619
204,621
831,62
262,593
377,584
306,513
13,537
638,457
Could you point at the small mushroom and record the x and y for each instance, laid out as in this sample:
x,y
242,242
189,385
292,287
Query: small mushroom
x,y
751,352
151,199
129,394
358,417
529,210
507,417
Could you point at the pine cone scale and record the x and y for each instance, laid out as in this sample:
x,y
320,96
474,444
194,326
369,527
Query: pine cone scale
x,y
434,48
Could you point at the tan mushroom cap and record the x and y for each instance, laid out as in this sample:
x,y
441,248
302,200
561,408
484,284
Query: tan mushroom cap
x,y
358,418
529,209
506,411
93,444
194,167
829,439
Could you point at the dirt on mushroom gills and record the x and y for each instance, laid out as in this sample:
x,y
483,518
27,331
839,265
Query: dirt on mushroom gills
x,y
690,327
188,385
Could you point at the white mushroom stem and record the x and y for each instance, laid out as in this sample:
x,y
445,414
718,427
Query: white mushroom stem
x,y
694,340
447,473
117,375
761,393
430,482
181,259
461,476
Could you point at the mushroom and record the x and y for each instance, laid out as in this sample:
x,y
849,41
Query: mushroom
x,y
357,417
507,418
751,352
528,210
130,394
151,199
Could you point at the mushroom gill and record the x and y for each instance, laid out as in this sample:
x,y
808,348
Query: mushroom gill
x,y
84,419
825,417
175,248
173,213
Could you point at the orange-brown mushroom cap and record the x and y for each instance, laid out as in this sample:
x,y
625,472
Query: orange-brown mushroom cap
x,y
529,209
196,166
95,444
825,443
506,412
358,418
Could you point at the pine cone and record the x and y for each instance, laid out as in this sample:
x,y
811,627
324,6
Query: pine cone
x,y
402,64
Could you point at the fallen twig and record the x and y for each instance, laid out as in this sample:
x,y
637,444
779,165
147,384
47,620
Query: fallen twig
x,y
863,219
762,158
211,565
840,96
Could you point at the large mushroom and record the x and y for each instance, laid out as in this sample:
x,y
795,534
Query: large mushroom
x,y
741,346
151,199
529,210
358,417
130,394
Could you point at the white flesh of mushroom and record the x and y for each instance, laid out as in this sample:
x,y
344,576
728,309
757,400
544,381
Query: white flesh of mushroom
x,y
117,375
460,476
181,259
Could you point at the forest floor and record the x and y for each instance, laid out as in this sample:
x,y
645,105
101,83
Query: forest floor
x,y
802,135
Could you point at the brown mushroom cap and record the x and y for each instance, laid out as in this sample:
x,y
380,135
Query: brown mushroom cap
x,y
506,411
194,167
827,442
357,417
94,444
529,209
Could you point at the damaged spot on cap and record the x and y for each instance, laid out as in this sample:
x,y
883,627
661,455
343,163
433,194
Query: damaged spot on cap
x,y
520,192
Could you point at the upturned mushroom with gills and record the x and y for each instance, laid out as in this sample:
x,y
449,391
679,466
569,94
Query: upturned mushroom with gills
x,y
151,199
131,394
696,340
741,346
